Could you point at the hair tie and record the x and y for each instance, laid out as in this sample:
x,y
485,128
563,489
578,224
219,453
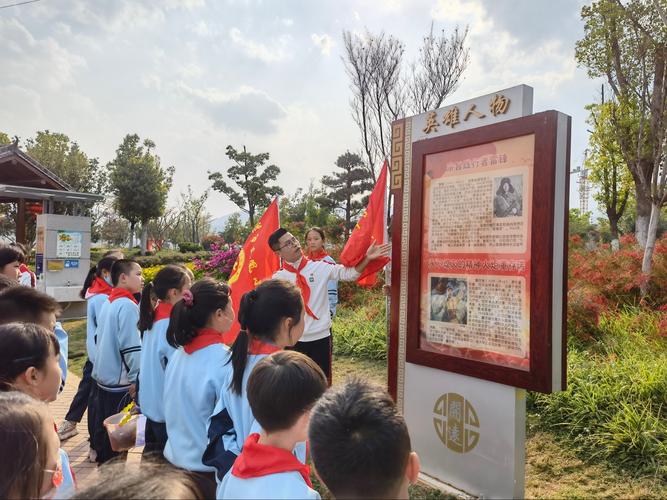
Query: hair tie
x,y
188,298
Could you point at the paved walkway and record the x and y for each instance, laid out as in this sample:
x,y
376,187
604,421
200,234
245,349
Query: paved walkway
x,y
77,447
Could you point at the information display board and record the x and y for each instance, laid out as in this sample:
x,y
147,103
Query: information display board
x,y
486,244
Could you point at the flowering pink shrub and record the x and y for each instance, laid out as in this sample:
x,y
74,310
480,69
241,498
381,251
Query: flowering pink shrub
x,y
220,263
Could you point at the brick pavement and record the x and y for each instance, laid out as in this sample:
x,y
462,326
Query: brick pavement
x,y
77,447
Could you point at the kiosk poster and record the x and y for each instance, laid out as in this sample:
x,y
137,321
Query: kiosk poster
x,y
68,244
475,260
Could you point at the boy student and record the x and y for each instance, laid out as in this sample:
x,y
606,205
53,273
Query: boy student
x,y
282,389
312,277
27,305
360,444
116,363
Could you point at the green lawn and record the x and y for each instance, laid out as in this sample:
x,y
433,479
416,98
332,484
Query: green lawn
x,y
553,469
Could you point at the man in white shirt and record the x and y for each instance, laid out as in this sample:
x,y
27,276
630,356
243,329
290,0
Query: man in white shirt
x,y
312,278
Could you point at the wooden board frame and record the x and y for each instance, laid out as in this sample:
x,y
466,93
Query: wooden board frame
x,y
539,377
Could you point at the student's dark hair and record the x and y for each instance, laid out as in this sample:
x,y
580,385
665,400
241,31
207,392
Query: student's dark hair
x,y
23,345
358,441
23,454
104,264
22,303
151,480
260,313
5,282
208,295
9,254
282,387
275,236
319,231
121,266
168,277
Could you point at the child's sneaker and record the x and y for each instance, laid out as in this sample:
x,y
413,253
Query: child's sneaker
x,y
67,430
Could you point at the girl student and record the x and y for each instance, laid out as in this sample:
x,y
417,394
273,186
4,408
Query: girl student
x,y
271,318
29,364
29,456
96,289
167,287
11,259
194,374
315,239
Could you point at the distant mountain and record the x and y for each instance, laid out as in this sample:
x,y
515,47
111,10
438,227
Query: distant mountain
x,y
218,224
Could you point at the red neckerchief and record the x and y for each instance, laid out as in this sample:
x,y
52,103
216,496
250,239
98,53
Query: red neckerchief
x,y
117,293
259,347
319,255
301,282
99,286
206,337
163,311
258,460
25,269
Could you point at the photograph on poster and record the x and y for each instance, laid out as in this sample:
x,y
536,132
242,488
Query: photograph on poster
x,y
508,196
449,300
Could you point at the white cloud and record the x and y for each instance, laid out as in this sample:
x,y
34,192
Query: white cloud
x,y
324,42
185,4
275,52
247,109
191,70
287,22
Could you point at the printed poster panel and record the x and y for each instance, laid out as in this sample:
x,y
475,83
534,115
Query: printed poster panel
x,y
475,269
68,244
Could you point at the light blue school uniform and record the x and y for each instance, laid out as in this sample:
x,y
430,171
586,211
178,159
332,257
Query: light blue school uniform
x,y
332,289
94,306
287,485
191,390
118,356
155,355
63,342
68,486
232,421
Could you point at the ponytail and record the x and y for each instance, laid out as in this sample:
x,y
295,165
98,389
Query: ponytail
x,y
168,277
187,317
260,313
87,283
146,311
104,264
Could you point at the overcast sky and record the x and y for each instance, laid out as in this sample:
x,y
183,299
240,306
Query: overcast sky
x,y
197,75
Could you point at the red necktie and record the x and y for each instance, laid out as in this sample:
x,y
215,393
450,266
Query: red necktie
x,y
301,283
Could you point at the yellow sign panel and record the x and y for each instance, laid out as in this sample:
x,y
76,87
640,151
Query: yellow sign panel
x,y
55,265
456,422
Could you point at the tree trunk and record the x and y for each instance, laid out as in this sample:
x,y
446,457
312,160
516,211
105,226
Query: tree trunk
x,y
132,225
643,217
613,229
144,237
647,262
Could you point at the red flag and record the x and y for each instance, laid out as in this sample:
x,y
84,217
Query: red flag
x,y
371,226
256,262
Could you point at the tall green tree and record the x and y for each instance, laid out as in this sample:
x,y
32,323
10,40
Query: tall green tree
x,y
4,139
608,170
626,43
235,231
253,179
344,188
193,214
139,183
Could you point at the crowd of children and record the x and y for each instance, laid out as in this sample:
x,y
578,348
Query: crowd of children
x,y
225,417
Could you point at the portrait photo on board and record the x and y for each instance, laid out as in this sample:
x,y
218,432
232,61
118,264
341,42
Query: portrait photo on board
x,y
507,200
449,300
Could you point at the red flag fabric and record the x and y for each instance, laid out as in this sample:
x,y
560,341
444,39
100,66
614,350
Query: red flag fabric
x,y
255,263
371,226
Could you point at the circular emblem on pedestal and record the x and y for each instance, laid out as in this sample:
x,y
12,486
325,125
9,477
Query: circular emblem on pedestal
x,y
456,422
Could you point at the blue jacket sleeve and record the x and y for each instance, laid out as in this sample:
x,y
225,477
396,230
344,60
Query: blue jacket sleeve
x,y
129,340
332,288
63,341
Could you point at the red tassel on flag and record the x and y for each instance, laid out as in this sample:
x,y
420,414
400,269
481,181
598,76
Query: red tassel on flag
x,y
256,261
371,226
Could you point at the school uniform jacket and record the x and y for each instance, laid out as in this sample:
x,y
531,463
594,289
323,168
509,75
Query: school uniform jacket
x,y
266,472
118,355
63,343
318,274
155,355
94,306
192,385
232,421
